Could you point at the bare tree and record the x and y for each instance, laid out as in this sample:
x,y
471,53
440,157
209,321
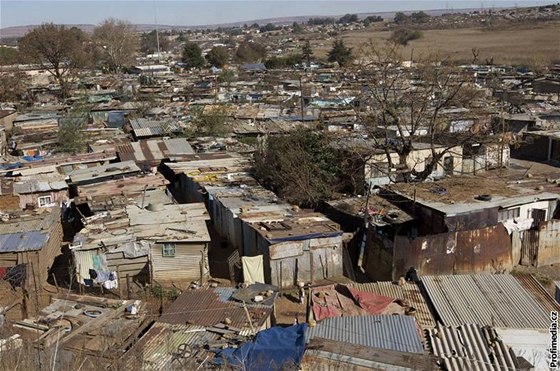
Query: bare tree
x,y
409,100
60,50
118,43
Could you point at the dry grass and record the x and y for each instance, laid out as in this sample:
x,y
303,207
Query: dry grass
x,y
520,44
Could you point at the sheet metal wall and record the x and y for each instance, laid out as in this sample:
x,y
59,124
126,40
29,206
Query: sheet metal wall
x,y
185,266
542,246
304,261
481,250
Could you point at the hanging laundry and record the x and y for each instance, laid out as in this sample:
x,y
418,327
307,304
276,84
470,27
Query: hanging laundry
x,y
112,282
102,276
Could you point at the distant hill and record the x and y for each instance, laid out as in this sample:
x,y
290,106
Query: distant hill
x,y
19,31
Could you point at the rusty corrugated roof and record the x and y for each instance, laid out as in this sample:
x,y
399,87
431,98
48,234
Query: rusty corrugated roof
x,y
409,293
539,292
203,307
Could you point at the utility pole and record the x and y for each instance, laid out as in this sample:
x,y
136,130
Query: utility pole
x,y
301,96
157,30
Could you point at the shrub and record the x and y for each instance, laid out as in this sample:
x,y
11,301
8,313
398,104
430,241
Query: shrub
x,y
404,35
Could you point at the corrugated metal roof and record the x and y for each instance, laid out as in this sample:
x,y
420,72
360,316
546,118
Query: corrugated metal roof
x,y
33,185
178,146
160,346
224,293
175,222
470,347
204,307
154,150
409,293
487,299
538,291
143,127
41,222
394,332
27,241
104,171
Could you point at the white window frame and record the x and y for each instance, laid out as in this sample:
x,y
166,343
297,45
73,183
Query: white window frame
x,y
42,203
168,249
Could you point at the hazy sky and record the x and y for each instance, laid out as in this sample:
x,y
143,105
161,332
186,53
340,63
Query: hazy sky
x,y
190,13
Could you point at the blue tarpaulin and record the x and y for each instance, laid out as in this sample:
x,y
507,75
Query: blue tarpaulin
x,y
32,158
10,166
273,349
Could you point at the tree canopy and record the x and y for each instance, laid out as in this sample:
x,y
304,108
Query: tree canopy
x,y
8,56
212,123
72,134
117,42
218,56
60,50
340,53
149,41
400,17
348,18
404,35
414,108
192,55
302,167
307,52
297,28
249,52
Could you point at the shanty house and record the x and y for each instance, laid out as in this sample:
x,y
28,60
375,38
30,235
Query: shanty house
x,y
142,128
304,248
149,153
101,174
457,228
40,190
179,240
29,245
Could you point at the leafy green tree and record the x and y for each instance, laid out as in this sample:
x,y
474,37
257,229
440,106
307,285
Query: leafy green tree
x,y
403,35
400,18
284,62
59,50
192,55
348,18
297,28
307,52
419,17
226,76
321,21
218,56
72,134
149,42
302,167
118,42
8,56
213,123
268,27
340,53
249,52
372,19
12,86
